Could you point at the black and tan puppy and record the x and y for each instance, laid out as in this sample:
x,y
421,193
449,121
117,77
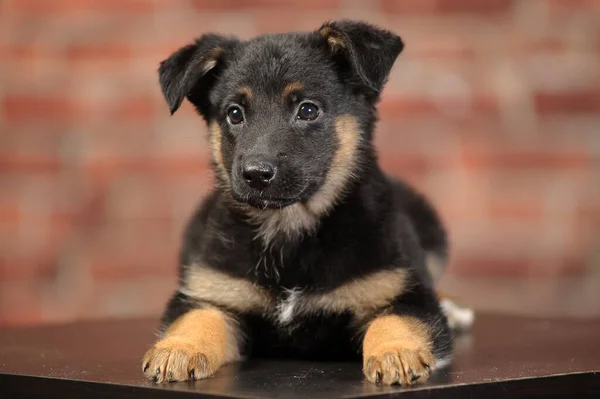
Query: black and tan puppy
x,y
305,249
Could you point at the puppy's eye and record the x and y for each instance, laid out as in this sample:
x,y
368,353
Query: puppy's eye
x,y
308,112
235,115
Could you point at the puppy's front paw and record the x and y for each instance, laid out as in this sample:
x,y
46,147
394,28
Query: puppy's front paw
x,y
393,363
178,359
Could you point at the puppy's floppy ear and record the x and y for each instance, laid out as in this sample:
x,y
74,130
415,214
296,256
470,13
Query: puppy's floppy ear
x,y
370,51
188,69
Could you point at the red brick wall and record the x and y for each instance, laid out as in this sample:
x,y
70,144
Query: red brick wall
x,y
493,110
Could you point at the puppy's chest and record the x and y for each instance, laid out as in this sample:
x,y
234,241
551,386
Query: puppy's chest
x,y
289,288
359,297
291,305
296,296
297,310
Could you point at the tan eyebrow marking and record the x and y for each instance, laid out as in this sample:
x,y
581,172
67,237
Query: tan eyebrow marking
x,y
291,88
245,91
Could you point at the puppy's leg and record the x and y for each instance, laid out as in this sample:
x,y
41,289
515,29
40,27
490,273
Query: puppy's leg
x,y
197,340
406,344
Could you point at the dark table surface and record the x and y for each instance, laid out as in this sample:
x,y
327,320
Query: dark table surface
x,y
504,356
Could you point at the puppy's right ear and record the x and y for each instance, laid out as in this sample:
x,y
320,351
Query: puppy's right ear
x,y
370,51
187,70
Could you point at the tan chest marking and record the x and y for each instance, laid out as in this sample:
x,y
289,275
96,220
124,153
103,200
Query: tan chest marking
x,y
206,284
362,297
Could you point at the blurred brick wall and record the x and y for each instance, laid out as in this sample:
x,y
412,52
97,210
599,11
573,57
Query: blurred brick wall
x,y
493,110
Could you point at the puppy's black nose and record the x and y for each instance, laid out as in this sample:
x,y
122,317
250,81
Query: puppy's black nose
x,y
259,174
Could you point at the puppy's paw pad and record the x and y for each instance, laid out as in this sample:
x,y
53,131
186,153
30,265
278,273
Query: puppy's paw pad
x,y
175,359
394,364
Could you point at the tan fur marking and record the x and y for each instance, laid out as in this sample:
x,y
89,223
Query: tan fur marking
x,y
215,144
342,167
194,347
325,31
336,42
292,88
334,39
215,53
246,91
210,60
362,296
397,349
204,283
305,217
290,221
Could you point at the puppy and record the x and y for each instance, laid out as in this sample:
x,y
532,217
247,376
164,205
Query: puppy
x,y
305,249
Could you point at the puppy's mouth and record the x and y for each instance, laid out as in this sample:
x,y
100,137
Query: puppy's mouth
x,y
262,200
269,203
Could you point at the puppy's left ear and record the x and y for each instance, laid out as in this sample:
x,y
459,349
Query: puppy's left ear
x,y
370,51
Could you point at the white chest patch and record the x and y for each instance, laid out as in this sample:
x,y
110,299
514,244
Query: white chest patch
x,y
287,308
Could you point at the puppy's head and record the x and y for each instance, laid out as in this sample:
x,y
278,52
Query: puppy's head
x,y
289,115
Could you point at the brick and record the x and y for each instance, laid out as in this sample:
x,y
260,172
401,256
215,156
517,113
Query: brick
x,y
398,107
67,6
568,5
98,51
410,165
33,251
9,217
275,21
126,266
186,194
473,6
30,151
562,135
125,249
25,51
517,211
135,197
48,164
418,142
20,108
165,167
139,108
450,52
124,146
265,4
572,73
407,162
34,247
446,6
16,268
544,45
488,266
130,297
525,160
571,103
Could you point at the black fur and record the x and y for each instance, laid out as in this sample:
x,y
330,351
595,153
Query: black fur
x,y
376,224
